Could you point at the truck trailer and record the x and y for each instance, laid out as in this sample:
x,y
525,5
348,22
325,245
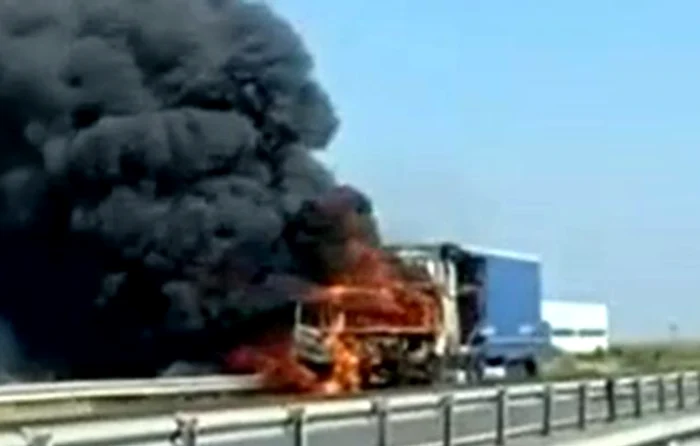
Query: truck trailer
x,y
489,319
493,323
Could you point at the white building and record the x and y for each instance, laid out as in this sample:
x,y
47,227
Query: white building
x,y
577,327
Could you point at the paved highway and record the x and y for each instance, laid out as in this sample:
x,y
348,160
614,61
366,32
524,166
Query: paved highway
x,y
630,429
424,428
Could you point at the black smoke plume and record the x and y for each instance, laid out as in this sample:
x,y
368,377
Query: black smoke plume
x,y
157,183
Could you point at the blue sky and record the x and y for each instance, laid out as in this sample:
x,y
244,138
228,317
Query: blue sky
x,y
565,128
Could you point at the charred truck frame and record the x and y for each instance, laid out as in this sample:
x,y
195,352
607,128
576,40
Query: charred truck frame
x,y
488,320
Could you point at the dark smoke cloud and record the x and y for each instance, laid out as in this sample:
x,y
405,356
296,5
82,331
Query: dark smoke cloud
x,y
156,171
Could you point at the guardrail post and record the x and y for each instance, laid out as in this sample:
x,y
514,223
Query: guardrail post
x,y
547,409
661,392
447,420
611,398
185,431
638,396
501,416
381,409
298,418
680,391
582,405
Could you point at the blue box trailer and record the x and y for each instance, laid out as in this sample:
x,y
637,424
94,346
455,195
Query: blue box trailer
x,y
511,328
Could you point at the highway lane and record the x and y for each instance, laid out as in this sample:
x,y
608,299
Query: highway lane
x,y
419,428
598,432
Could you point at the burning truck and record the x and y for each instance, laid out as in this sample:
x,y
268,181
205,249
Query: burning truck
x,y
467,312
390,316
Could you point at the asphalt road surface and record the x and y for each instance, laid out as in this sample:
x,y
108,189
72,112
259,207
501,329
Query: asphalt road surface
x,y
425,428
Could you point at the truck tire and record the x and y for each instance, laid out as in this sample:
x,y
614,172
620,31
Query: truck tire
x,y
532,369
437,369
474,371
522,370
474,375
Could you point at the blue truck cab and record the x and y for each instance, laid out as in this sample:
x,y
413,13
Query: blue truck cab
x,y
492,319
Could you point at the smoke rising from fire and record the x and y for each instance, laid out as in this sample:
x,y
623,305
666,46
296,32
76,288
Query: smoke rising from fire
x,y
159,201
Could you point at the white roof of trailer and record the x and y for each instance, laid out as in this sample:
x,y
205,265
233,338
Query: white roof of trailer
x,y
493,252
478,250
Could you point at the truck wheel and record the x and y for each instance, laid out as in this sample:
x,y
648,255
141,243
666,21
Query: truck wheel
x,y
531,368
473,371
437,369
473,375
522,370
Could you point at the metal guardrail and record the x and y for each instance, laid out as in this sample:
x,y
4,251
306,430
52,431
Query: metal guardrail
x,y
126,388
477,416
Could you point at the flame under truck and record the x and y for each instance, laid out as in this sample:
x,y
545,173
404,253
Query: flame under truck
x,y
488,323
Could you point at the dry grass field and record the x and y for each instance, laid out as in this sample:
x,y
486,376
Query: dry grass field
x,y
627,359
